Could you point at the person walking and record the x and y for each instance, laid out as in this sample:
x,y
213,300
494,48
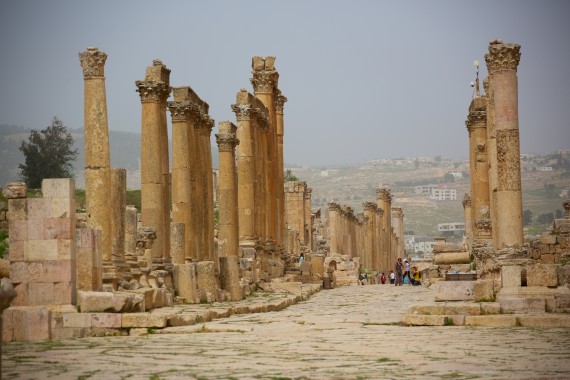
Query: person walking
x,y
392,277
407,271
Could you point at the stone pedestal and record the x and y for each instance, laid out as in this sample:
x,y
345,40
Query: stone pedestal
x,y
206,281
230,277
185,282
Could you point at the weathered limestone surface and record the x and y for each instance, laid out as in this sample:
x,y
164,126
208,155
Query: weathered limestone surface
x,y
96,141
502,61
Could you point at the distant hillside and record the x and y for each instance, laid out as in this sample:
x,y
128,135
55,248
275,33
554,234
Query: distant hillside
x,y
125,153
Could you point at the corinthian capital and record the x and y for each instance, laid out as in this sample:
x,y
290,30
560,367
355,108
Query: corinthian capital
x,y
502,56
152,91
334,207
369,206
226,142
476,118
93,63
279,101
242,111
384,194
466,200
180,110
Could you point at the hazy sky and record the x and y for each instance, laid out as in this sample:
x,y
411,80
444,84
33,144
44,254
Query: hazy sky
x,y
364,79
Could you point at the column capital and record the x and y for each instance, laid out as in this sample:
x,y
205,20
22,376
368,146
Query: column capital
x,y
308,192
380,211
226,142
484,227
261,118
93,63
243,112
384,194
152,91
334,207
179,110
146,237
265,77
398,212
476,118
279,101
369,206
502,56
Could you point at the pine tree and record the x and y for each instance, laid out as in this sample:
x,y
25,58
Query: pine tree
x,y
48,154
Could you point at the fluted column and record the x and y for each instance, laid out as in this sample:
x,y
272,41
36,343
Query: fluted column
x,y
502,61
182,132
96,143
478,164
154,91
227,202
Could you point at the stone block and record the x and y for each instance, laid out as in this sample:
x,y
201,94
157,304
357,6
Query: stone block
x,y
106,320
548,239
545,321
484,290
21,298
40,293
59,228
230,277
38,208
7,325
65,293
511,276
447,308
206,280
423,320
542,275
79,320
454,290
523,305
35,229
58,188
18,209
18,230
185,282
147,295
138,332
31,323
95,301
66,249
62,208
491,320
490,308
135,320
16,251
40,250
547,258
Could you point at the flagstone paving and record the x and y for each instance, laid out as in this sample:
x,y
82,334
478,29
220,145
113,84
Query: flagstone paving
x,y
344,333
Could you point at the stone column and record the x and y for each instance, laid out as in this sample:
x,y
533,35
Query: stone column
x,y
227,203
502,61
118,208
491,160
369,258
246,174
207,129
279,104
96,143
264,81
478,165
379,220
334,222
467,212
182,136
398,223
384,201
308,221
154,91
261,127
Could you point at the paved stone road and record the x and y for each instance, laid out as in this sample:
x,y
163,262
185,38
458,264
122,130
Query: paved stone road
x,y
345,333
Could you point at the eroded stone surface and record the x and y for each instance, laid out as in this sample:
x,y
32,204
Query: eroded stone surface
x,y
346,333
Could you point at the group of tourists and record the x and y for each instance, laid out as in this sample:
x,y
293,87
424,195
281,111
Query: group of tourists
x,y
405,274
